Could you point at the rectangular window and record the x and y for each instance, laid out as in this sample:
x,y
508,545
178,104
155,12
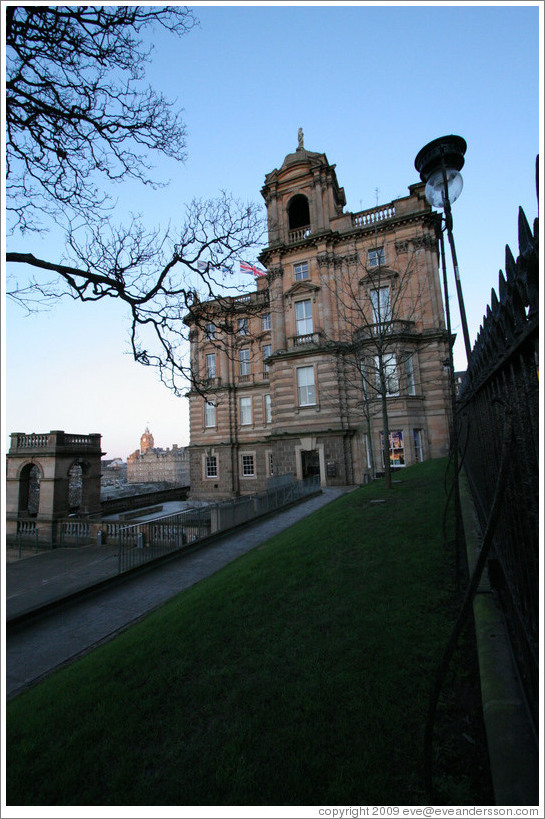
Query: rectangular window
x,y
300,271
397,452
243,327
409,371
306,392
303,317
268,410
244,361
266,321
267,351
210,365
271,464
211,466
364,378
248,466
382,307
389,365
245,411
376,256
418,451
210,331
368,450
209,414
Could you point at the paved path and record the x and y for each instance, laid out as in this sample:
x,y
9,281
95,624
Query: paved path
x,y
37,648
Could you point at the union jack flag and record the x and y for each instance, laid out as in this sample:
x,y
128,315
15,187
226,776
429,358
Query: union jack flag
x,y
248,268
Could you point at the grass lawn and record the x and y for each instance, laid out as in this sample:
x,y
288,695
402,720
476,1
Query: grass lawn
x,y
297,675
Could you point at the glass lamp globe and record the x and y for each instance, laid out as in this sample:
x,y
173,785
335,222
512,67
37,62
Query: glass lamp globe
x,y
435,187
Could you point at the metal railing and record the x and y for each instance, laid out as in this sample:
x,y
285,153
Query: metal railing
x,y
499,398
141,543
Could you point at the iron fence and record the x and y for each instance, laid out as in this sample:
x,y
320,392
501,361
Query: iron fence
x,y
498,403
142,542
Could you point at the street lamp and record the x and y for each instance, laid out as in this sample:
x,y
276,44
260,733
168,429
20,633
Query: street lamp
x,y
439,164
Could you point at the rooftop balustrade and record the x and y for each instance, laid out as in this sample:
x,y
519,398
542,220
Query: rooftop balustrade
x,y
52,440
372,216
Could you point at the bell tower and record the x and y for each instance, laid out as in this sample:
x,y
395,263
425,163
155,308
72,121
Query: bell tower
x,y
146,441
302,197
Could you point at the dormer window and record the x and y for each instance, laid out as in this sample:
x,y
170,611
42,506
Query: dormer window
x,y
298,212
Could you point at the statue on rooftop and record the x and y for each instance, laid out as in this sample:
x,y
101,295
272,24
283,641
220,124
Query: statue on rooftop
x,y
300,139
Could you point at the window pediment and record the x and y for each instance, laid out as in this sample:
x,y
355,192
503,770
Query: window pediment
x,y
304,288
377,274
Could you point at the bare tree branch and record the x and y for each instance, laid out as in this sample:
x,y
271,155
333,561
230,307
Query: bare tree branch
x,y
76,109
79,118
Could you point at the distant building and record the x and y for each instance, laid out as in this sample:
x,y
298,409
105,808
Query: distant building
x,y
114,471
150,464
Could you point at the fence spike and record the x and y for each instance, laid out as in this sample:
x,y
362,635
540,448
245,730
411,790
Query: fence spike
x,y
510,264
502,287
526,240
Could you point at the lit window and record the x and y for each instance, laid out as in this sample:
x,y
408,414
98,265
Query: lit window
x,y
211,466
209,414
243,327
397,452
210,331
389,366
300,271
306,392
409,371
382,307
248,466
266,321
210,365
245,411
303,317
268,411
244,361
376,257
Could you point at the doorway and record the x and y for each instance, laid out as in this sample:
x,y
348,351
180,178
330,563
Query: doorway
x,y
310,463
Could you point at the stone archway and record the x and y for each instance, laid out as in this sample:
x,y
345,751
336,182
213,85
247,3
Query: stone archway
x,y
75,487
30,477
49,476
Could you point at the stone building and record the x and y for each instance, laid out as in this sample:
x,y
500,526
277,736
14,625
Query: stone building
x,y
288,379
50,476
150,464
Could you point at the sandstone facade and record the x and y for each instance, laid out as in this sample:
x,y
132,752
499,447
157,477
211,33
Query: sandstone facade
x,y
288,378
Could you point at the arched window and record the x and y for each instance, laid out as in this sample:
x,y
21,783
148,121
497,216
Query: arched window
x,y
75,487
29,489
298,212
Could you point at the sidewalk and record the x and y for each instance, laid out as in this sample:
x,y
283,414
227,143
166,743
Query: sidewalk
x,y
35,649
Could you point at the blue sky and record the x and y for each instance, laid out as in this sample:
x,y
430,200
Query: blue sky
x,y
369,85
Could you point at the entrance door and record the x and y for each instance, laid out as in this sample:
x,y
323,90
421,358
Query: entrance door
x,y
310,463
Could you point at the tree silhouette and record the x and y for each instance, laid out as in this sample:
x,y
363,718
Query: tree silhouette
x,y
78,120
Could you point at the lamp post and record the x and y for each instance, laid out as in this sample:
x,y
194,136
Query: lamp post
x,y
439,164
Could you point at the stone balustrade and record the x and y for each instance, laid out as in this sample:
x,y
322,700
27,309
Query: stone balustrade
x,y
52,440
306,339
373,215
299,234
